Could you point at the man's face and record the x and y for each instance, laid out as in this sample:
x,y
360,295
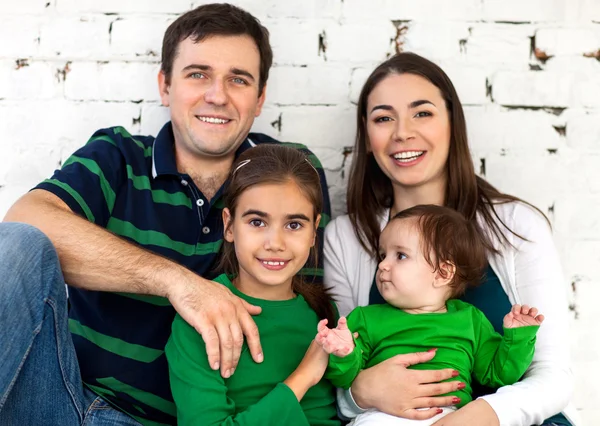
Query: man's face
x,y
213,95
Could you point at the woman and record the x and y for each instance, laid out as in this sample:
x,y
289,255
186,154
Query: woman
x,y
411,148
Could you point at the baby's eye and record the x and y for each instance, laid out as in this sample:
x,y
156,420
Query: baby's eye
x,y
381,256
401,256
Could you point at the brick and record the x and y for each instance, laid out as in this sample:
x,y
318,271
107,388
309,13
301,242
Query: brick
x,y
524,11
138,36
37,80
469,82
153,118
34,7
409,10
351,43
319,126
568,41
314,85
358,79
113,81
496,46
84,37
580,223
296,41
121,7
497,131
583,131
308,9
23,35
533,88
434,40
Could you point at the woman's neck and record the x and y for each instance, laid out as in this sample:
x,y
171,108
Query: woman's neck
x,y
406,197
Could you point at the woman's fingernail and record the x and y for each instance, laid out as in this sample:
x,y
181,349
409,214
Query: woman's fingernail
x,y
461,385
439,411
454,373
455,400
432,350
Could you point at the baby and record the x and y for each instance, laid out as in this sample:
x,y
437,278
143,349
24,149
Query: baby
x,y
428,256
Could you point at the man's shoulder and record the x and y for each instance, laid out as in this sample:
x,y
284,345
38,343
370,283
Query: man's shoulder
x,y
122,138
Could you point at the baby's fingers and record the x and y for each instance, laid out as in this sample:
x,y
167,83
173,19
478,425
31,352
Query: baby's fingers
x,y
342,324
540,319
533,312
322,325
525,309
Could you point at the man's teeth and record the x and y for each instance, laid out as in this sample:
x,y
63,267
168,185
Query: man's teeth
x,y
273,263
213,120
408,156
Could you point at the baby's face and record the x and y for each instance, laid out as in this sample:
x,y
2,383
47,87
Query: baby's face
x,y
404,278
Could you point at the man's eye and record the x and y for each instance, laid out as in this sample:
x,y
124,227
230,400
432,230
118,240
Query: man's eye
x,y
196,75
238,80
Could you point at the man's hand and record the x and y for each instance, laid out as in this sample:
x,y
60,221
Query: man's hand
x,y
477,412
337,341
222,319
392,388
522,316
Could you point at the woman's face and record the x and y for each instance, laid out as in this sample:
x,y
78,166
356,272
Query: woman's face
x,y
408,129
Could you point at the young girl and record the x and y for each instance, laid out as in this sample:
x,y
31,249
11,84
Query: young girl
x,y
412,148
272,210
428,256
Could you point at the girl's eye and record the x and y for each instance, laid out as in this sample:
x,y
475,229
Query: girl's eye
x,y
256,223
401,256
423,114
294,226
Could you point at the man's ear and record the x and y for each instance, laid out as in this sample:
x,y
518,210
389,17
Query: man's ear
x,y
317,221
261,101
444,275
227,225
163,88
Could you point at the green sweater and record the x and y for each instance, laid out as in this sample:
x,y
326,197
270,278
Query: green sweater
x,y
465,339
255,394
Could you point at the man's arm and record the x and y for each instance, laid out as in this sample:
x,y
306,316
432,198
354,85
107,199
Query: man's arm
x,y
87,252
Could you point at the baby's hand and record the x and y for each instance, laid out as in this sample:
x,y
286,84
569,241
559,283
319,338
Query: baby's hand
x,y
522,316
337,341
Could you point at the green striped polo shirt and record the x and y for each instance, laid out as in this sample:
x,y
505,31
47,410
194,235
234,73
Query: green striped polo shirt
x,y
130,185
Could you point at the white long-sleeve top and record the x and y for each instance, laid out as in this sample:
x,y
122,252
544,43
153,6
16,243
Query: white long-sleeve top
x,y
529,272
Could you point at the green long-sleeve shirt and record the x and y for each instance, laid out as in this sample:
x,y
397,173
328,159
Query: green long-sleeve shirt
x,y
255,394
465,339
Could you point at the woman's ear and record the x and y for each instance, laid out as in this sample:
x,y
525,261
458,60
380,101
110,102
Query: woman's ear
x,y
444,275
227,225
317,221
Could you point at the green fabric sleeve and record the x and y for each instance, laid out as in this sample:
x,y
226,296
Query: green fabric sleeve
x,y
502,361
200,393
342,371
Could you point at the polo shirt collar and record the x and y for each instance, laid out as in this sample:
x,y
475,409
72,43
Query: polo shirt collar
x,y
163,152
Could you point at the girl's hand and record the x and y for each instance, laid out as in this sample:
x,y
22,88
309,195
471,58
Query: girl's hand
x,y
337,341
522,316
477,412
309,372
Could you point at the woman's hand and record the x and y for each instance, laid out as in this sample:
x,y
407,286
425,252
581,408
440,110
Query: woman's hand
x,y
309,372
394,389
477,412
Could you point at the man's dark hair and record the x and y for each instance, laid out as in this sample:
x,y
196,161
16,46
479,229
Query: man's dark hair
x,y
216,19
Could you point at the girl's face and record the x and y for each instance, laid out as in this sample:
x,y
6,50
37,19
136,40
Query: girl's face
x,y
404,278
408,129
273,231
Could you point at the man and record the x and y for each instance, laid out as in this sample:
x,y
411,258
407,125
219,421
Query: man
x,y
132,224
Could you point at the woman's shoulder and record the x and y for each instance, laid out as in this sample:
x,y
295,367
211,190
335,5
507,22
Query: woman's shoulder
x,y
520,216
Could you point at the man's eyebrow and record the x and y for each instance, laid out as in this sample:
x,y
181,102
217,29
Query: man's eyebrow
x,y
411,105
239,71
201,67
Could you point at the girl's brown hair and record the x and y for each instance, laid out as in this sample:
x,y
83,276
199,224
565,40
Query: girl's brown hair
x,y
447,237
370,190
278,164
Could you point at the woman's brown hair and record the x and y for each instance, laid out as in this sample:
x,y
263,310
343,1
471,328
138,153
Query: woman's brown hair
x,y
370,190
446,236
278,164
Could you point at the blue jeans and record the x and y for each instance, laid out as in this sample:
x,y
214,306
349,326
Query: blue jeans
x,y
40,382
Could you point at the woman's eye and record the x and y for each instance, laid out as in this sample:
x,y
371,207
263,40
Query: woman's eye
x,y
382,119
294,226
256,223
423,114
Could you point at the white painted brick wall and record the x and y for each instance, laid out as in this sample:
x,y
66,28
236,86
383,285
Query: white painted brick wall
x,y
526,70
